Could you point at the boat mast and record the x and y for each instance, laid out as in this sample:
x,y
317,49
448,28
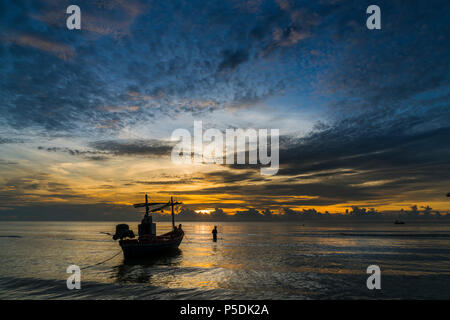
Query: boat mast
x,y
173,215
146,206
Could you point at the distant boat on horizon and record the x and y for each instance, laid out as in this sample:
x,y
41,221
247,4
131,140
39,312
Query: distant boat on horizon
x,y
148,244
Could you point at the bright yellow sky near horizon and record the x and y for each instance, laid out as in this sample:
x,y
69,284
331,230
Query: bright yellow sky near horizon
x,y
40,176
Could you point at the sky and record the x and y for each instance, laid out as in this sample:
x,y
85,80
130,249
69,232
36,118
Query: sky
x,y
86,116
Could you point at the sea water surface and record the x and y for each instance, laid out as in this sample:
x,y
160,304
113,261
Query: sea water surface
x,y
250,260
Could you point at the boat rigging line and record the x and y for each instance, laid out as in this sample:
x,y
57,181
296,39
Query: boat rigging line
x,y
99,263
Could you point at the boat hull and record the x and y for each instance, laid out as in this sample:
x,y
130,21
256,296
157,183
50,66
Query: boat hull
x,y
138,249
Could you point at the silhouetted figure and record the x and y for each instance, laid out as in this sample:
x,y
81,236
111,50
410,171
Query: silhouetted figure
x,y
448,194
214,233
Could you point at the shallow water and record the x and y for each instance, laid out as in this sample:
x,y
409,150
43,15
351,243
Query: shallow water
x,y
321,260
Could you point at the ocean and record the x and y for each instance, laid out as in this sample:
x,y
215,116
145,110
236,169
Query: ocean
x,y
250,260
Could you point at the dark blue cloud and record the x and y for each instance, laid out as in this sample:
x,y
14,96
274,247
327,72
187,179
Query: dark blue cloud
x,y
382,94
174,51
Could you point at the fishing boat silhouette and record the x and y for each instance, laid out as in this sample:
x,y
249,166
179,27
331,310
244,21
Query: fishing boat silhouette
x,y
148,244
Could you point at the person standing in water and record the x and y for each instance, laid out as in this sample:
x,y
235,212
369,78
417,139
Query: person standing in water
x,y
214,233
